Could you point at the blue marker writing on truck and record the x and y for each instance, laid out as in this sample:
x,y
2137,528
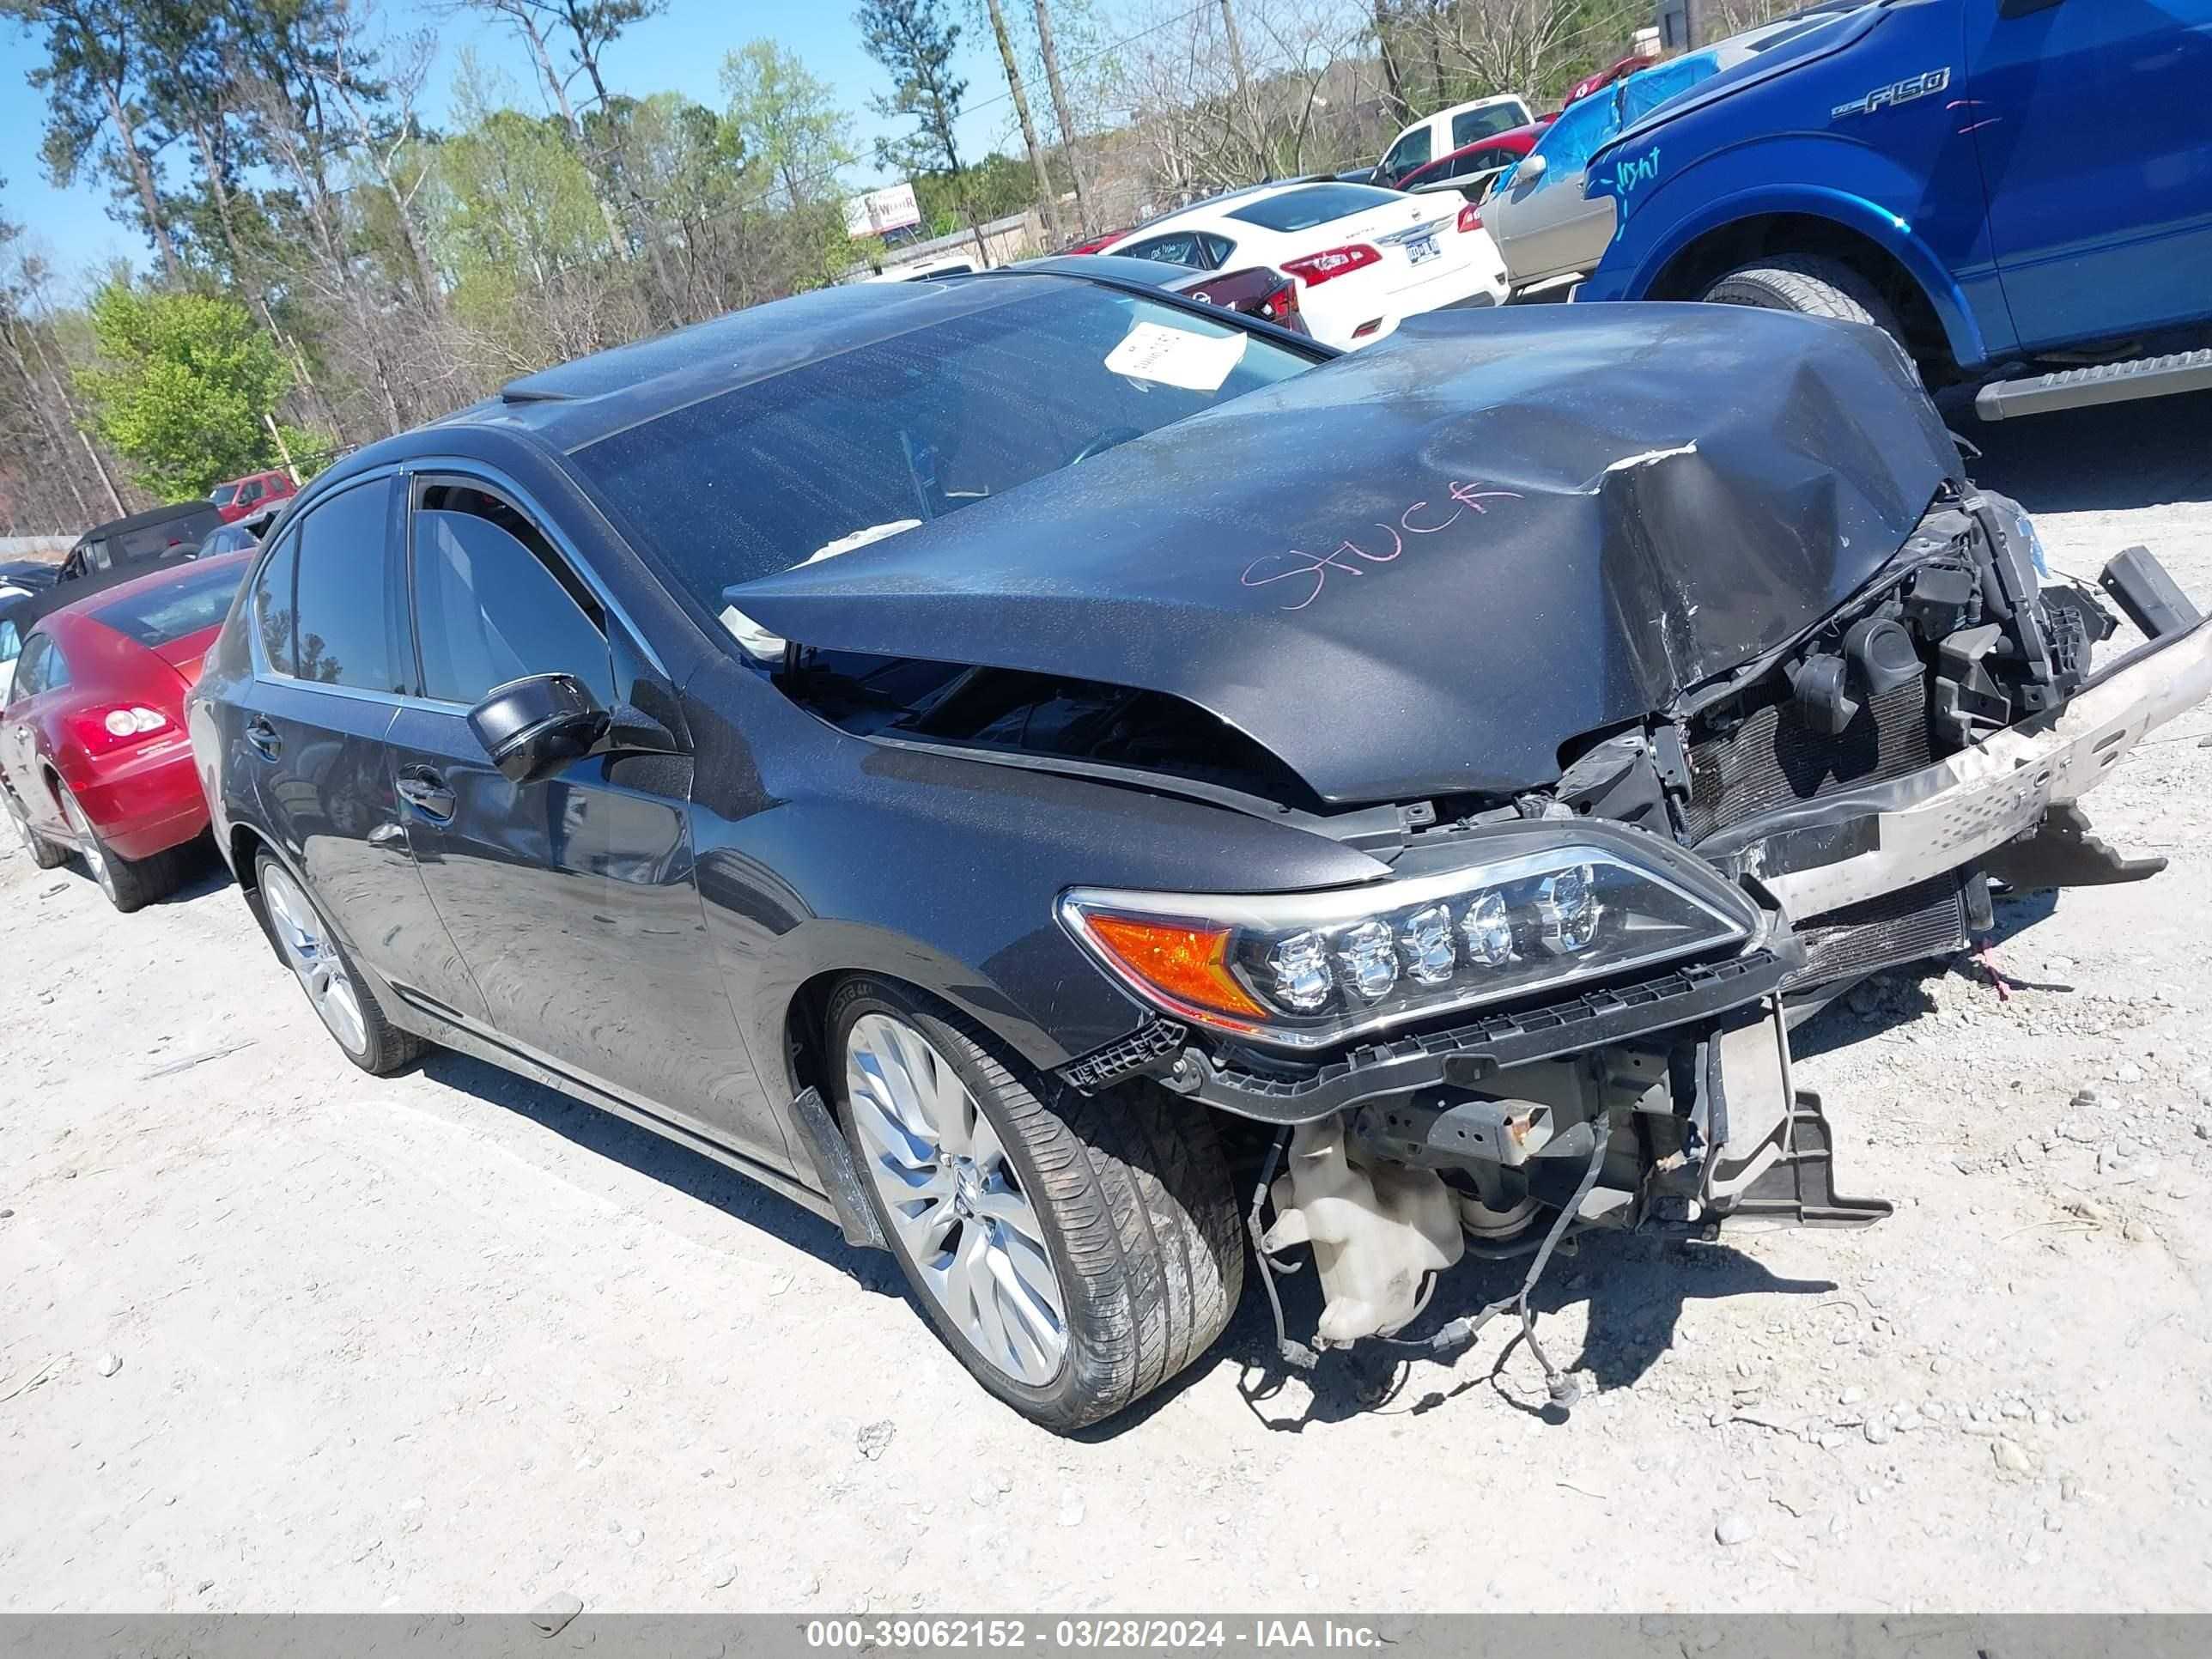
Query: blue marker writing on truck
x,y
2016,187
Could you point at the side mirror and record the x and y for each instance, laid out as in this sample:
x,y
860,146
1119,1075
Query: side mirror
x,y
532,728
1532,168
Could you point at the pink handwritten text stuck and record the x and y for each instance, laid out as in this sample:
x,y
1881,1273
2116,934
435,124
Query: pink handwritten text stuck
x,y
1350,558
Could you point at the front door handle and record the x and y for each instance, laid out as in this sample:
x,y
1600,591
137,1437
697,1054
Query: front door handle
x,y
426,791
262,736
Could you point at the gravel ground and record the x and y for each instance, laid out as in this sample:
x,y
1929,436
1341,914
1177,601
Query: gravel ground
x,y
276,1336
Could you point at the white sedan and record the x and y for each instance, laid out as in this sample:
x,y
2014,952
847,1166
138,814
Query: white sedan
x,y
1364,258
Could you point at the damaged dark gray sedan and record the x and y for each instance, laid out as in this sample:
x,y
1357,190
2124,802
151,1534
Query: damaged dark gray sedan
x,y
1065,782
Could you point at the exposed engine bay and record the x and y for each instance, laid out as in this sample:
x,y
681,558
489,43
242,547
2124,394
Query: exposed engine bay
x,y
1394,1160
1663,719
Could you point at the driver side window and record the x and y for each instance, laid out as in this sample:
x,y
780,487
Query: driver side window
x,y
494,602
41,668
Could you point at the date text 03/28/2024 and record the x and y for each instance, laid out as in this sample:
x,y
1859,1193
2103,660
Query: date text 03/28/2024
x,y
1140,1634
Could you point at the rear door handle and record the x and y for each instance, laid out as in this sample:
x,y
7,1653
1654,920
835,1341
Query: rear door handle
x,y
262,736
426,791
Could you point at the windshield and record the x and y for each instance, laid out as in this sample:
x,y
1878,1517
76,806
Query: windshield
x,y
854,448
177,608
224,494
1314,205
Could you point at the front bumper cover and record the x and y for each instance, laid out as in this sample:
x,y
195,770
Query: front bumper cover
x,y
1842,850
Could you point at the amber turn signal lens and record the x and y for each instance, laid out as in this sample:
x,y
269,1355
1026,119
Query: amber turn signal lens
x,y
1187,964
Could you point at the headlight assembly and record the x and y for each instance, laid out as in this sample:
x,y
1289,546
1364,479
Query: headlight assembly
x,y
1521,912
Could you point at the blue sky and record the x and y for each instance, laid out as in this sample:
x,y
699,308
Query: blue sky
x,y
680,51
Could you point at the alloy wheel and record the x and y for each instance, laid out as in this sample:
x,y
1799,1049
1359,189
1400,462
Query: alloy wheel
x,y
314,958
88,843
941,1172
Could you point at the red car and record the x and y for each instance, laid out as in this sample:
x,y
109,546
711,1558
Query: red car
x,y
1605,77
93,757
251,493
1488,155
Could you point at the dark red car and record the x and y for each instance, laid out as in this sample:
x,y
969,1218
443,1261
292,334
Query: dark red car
x,y
251,494
94,756
1605,76
1488,155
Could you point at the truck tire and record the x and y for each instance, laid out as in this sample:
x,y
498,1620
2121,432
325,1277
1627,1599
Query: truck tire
x,y
1812,286
1117,1206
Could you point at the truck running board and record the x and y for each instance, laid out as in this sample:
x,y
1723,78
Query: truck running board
x,y
2105,383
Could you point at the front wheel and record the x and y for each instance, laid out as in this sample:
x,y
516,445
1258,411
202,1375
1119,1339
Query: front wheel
x,y
1811,286
1075,1252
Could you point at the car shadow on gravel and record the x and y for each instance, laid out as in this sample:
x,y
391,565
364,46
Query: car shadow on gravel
x,y
1631,1287
693,1173
2104,459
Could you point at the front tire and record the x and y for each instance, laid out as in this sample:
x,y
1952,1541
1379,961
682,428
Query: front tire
x,y
342,1000
1812,286
1075,1252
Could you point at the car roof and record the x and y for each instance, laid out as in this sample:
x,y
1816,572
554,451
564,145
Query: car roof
x,y
151,515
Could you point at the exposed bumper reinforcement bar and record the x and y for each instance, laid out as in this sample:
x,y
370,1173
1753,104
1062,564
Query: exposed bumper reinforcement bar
x,y
1860,843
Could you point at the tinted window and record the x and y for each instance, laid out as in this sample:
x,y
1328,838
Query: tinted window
x,y
491,603
1178,247
272,606
883,435
1470,126
176,608
1409,153
1217,248
11,643
1313,204
346,628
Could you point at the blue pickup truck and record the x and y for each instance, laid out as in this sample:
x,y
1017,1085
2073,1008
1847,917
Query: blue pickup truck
x,y
2016,187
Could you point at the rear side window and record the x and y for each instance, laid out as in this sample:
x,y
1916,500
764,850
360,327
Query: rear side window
x,y
152,541
272,606
493,602
1313,204
345,625
174,608
11,643
1474,126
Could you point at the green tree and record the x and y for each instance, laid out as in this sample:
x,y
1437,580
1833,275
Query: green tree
x,y
786,123
183,386
914,40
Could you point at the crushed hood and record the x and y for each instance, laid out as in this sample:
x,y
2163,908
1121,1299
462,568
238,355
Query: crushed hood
x,y
1421,568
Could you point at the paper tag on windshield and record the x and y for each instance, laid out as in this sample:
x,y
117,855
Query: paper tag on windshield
x,y
1175,357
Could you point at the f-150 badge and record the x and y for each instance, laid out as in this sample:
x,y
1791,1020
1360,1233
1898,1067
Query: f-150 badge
x,y
1897,92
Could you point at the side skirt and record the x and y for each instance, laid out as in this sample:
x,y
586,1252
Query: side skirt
x,y
425,1021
